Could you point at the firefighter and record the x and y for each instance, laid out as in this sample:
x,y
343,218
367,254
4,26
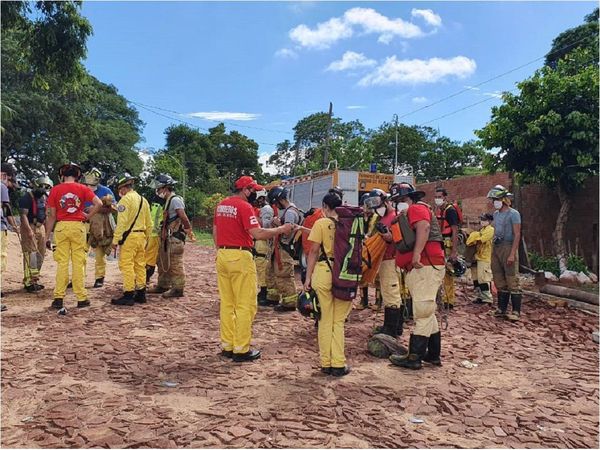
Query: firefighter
x,y
175,227
234,227
100,232
481,270
448,219
505,253
33,233
262,251
153,244
8,182
371,220
134,226
389,277
284,262
65,208
425,272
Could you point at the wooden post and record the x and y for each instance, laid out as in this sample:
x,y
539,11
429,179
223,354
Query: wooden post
x,y
541,247
569,246
577,246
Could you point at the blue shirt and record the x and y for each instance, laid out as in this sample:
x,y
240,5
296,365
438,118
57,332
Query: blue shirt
x,y
4,198
100,192
503,224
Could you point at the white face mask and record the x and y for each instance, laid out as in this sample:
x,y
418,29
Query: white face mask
x,y
381,211
498,204
160,194
484,224
439,201
402,206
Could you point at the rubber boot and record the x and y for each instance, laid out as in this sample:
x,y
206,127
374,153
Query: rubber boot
x,y
400,322
378,301
261,298
57,303
417,347
125,300
390,322
477,291
99,282
409,309
515,314
364,299
434,348
140,295
486,294
503,298
149,272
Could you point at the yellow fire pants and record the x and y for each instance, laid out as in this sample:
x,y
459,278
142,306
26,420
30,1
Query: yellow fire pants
x,y
28,246
333,318
132,262
70,239
423,285
152,250
261,260
389,278
236,279
285,281
448,293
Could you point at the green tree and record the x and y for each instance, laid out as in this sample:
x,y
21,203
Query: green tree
x,y
583,36
548,133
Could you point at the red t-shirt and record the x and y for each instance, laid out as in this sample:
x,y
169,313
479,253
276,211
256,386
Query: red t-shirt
x,y
69,200
233,218
432,254
390,250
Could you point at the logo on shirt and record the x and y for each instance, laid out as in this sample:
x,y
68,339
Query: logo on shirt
x,y
227,211
253,220
121,208
70,203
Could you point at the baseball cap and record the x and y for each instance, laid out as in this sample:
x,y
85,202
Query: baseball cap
x,y
248,182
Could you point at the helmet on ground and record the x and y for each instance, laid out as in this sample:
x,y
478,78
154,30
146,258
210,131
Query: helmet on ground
x,y
262,193
69,170
337,190
43,182
308,304
399,190
162,180
499,192
124,179
456,268
383,346
375,199
92,177
277,193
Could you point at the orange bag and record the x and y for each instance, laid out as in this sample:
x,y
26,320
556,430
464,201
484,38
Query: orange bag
x,y
372,254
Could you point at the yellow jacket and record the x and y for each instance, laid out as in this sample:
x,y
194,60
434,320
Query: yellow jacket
x,y
483,240
128,208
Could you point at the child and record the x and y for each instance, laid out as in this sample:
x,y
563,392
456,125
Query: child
x,y
482,271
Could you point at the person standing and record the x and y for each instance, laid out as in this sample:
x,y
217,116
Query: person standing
x,y
175,227
234,228
425,266
101,229
65,209
153,244
8,177
448,219
319,277
262,252
284,262
33,233
505,253
481,272
134,226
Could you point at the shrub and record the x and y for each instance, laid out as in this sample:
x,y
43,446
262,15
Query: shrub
x,y
545,263
576,264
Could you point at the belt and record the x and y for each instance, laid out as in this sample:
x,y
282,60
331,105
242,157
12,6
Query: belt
x,y
236,247
323,258
138,231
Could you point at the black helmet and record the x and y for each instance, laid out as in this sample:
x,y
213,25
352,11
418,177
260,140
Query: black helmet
x,y
122,180
337,190
162,180
70,169
399,190
375,199
487,216
277,193
308,304
362,199
456,268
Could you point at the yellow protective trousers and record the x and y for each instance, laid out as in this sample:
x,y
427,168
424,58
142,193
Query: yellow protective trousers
x,y
285,281
262,261
236,279
152,250
100,256
28,246
70,239
423,285
389,279
448,292
132,262
333,318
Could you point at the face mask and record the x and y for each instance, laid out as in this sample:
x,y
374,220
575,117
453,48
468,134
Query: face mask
x,y
402,206
159,194
439,201
484,224
381,211
498,204
252,197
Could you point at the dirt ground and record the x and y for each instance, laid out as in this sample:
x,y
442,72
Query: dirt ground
x,y
150,376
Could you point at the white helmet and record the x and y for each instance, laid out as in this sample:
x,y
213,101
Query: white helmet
x,y
261,193
43,182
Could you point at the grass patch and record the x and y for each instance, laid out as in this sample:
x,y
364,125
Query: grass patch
x,y
204,238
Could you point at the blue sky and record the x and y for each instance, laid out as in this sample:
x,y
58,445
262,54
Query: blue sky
x,y
269,64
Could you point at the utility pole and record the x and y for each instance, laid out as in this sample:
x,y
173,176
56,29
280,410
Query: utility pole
x,y
396,153
328,142
183,175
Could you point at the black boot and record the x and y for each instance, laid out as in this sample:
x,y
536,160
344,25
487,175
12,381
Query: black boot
x,y
515,314
149,272
125,300
99,282
416,350
57,303
140,295
503,298
378,300
261,298
434,348
400,323
364,298
390,322
409,309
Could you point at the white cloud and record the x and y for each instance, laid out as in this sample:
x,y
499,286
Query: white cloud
x,y
496,94
415,71
419,99
286,53
471,88
263,160
355,107
222,115
361,20
351,60
428,16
